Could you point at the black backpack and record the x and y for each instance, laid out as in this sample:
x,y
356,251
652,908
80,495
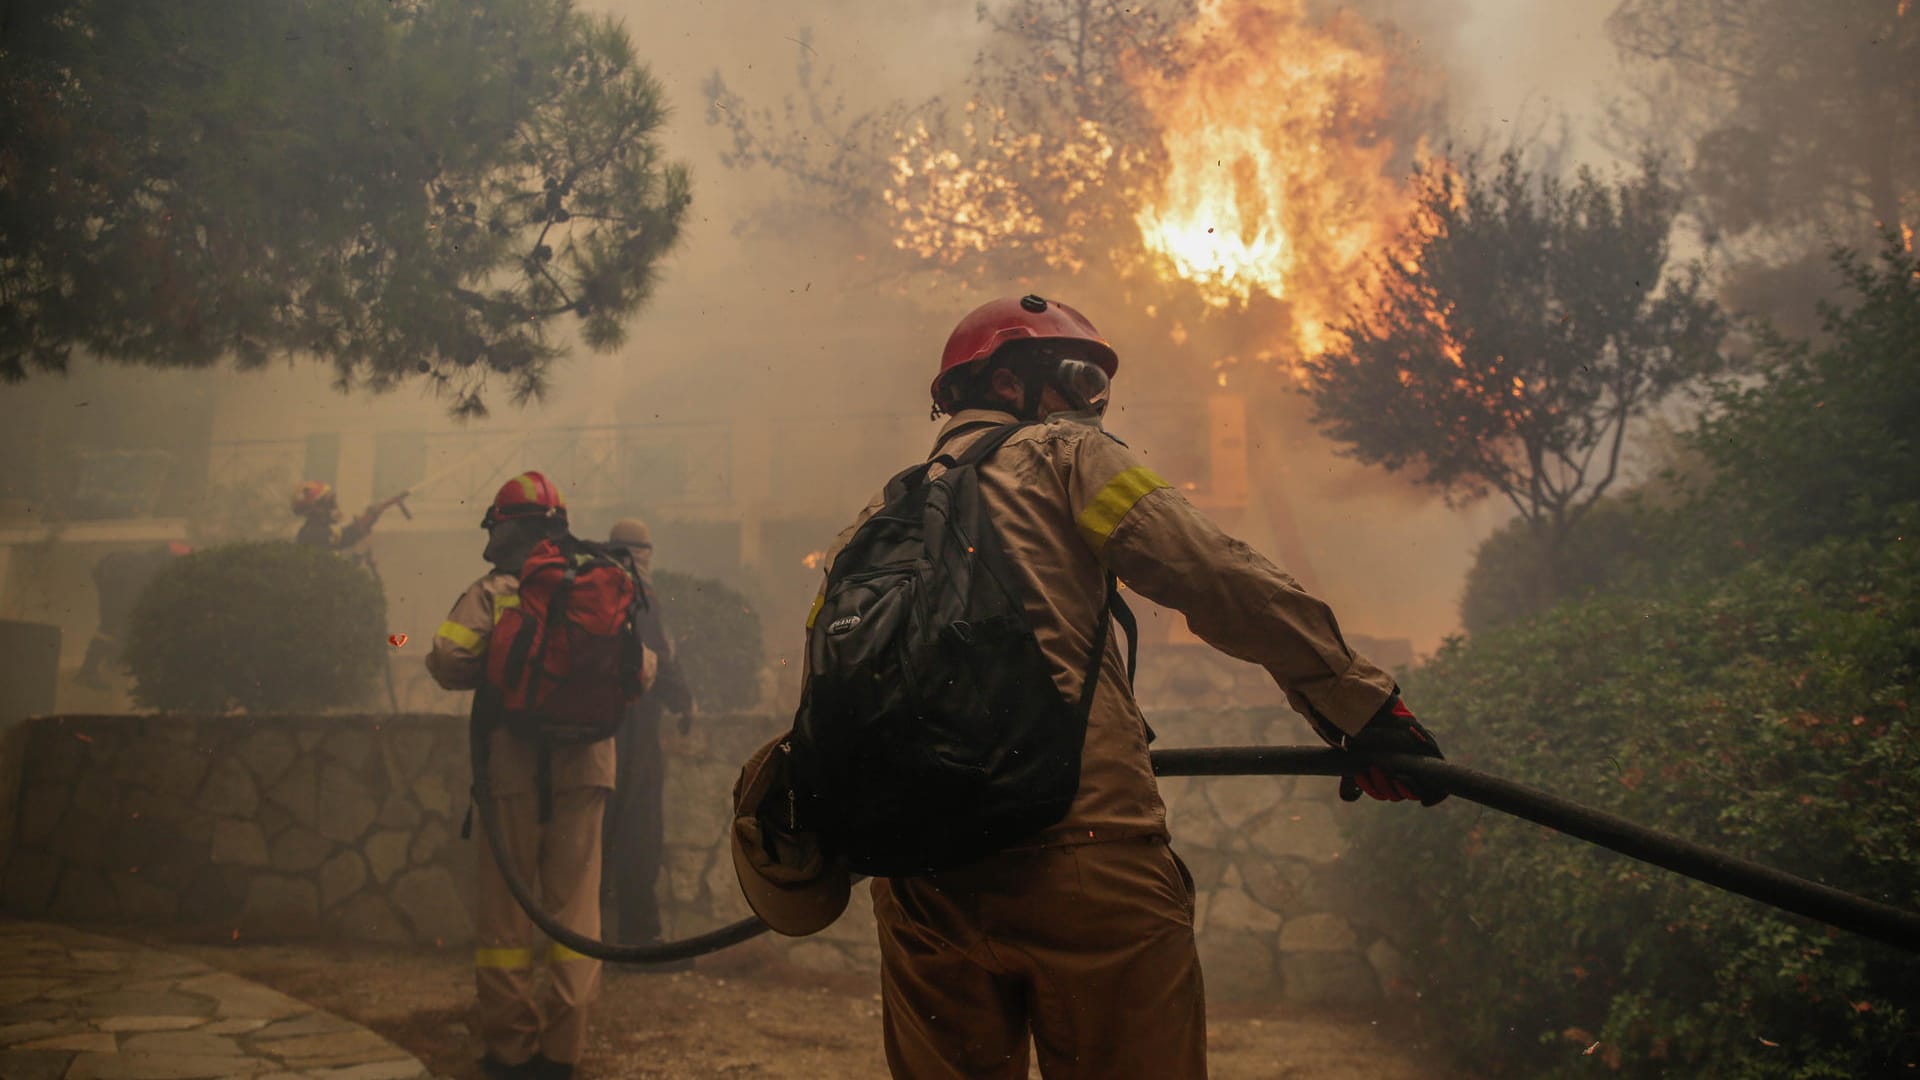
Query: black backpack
x,y
930,732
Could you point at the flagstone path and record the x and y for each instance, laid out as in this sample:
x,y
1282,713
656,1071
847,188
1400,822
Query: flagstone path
x,y
80,1006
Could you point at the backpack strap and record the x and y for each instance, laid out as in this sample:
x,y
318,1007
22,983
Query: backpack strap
x,y
1123,615
1114,611
517,652
985,446
908,479
556,617
1091,680
981,449
974,425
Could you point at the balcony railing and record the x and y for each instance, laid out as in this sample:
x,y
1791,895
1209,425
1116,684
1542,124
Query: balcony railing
x,y
778,466
655,464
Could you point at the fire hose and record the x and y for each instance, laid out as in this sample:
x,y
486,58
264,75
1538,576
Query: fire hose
x,y
1854,914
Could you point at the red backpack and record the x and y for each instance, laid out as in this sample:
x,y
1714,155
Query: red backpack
x,y
566,659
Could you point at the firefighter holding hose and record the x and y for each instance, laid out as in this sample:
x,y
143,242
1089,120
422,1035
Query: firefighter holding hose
x,y
318,507
1079,935
547,641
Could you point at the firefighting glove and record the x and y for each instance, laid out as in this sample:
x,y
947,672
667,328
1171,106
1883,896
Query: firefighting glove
x,y
1393,730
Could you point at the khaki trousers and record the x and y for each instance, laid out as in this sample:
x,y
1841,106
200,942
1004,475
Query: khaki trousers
x,y
1090,948
562,863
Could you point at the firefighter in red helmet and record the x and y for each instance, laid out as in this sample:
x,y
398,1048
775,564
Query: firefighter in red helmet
x,y
1080,938
561,856
1041,336
318,507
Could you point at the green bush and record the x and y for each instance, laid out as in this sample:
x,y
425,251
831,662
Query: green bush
x,y
1747,682
717,636
1767,714
268,627
1829,441
1822,446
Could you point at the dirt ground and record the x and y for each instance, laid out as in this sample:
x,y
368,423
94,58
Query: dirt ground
x,y
746,1014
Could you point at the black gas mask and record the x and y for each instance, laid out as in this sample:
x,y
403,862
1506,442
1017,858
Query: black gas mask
x,y
1082,383
511,540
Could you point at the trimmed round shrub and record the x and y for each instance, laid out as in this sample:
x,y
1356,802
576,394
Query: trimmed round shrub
x,y
267,627
717,636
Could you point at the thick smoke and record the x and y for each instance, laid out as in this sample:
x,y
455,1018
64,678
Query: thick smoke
x,y
767,317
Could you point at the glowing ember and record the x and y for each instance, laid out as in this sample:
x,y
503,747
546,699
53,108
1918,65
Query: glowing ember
x,y
1277,163
955,194
813,560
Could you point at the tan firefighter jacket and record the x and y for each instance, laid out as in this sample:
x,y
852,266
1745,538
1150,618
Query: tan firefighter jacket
x,y
458,661
1069,503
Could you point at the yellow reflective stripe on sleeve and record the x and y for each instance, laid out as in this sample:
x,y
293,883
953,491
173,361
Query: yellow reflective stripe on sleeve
x,y
560,954
1111,505
507,959
502,603
462,636
814,611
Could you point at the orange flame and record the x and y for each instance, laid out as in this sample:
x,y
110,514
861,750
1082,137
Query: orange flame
x,y
1276,176
813,560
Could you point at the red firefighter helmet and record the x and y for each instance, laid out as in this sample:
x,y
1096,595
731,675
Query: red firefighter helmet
x,y
311,495
1027,318
528,495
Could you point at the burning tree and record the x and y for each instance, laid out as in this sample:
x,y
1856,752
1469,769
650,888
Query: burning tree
x,y
1218,170
1034,168
1513,333
1202,156
409,190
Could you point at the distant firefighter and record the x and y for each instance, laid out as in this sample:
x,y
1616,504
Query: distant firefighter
x,y
635,836
120,578
315,502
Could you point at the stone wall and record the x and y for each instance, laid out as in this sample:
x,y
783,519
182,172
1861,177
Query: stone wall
x,y
285,827
269,828
1276,917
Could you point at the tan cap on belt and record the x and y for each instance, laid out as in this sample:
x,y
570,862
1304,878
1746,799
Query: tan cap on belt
x,y
788,881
